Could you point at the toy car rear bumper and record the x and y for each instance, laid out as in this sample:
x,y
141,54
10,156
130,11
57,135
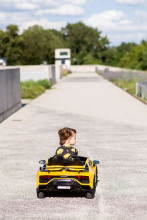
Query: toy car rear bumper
x,y
72,184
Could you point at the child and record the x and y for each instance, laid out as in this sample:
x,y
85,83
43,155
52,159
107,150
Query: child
x,y
67,140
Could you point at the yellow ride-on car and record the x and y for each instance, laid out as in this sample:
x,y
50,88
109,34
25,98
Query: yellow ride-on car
x,y
76,174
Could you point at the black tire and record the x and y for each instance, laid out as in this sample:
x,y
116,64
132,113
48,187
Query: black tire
x,y
91,194
94,184
41,195
96,176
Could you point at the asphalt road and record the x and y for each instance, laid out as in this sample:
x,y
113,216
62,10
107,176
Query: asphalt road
x,y
111,127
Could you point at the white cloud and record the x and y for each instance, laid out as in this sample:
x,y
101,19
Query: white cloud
x,y
18,4
132,2
12,18
63,10
26,6
117,21
75,2
25,12
2,16
58,2
33,4
141,16
37,7
117,26
116,38
108,20
43,23
25,21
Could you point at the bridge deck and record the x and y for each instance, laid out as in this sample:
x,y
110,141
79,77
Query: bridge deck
x,y
111,127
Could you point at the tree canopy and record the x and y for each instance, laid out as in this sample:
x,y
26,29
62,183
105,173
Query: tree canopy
x,y
86,43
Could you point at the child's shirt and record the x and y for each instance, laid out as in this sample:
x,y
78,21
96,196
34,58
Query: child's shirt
x,y
66,151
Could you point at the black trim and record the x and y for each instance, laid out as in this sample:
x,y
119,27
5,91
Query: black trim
x,y
53,185
62,178
62,58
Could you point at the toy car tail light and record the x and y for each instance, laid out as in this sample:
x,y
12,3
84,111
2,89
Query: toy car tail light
x,y
83,177
45,177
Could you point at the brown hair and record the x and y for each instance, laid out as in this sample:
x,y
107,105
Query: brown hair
x,y
65,133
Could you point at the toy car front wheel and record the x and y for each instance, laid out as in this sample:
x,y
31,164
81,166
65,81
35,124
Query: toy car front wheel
x,y
40,195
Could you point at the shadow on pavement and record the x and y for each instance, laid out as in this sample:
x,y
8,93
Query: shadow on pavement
x,y
23,104
83,79
65,194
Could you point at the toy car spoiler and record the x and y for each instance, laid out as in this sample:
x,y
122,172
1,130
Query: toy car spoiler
x,y
79,170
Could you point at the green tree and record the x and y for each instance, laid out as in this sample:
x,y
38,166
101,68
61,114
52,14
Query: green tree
x,y
136,58
84,40
11,45
39,45
12,30
113,55
4,39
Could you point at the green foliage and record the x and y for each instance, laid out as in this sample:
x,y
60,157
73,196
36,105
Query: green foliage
x,y
136,58
65,72
31,89
113,55
45,83
84,40
12,30
127,84
90,59
39,45
33,46
11,45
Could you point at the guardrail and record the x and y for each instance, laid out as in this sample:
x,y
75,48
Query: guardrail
x,y
51,72
123,74
139,78
38,72
141,89
10,92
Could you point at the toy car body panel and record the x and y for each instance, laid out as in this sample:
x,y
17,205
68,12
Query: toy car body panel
x,y
77,174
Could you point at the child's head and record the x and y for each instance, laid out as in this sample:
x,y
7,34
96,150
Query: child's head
x,y
67,136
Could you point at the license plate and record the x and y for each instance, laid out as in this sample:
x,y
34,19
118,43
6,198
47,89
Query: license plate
x,y
63,187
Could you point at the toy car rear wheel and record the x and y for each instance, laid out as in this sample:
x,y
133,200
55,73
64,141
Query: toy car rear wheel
x,y
91,194
96,176
40,195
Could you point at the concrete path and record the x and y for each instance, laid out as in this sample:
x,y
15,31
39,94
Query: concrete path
x,y
111,127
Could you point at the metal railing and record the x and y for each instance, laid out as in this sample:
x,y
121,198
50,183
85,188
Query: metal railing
x,y
139,78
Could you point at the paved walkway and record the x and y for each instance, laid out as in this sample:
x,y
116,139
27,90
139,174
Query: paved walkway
x,y
111,127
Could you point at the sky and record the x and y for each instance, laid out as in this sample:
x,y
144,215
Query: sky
x,y
119,20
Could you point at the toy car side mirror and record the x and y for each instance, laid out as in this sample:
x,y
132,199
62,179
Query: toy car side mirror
x,y
95,162
42,161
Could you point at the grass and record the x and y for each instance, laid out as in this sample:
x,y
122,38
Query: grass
x,y
65,72
127,85
31,89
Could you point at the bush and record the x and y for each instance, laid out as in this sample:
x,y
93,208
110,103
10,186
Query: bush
x,y
31,89
45,83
